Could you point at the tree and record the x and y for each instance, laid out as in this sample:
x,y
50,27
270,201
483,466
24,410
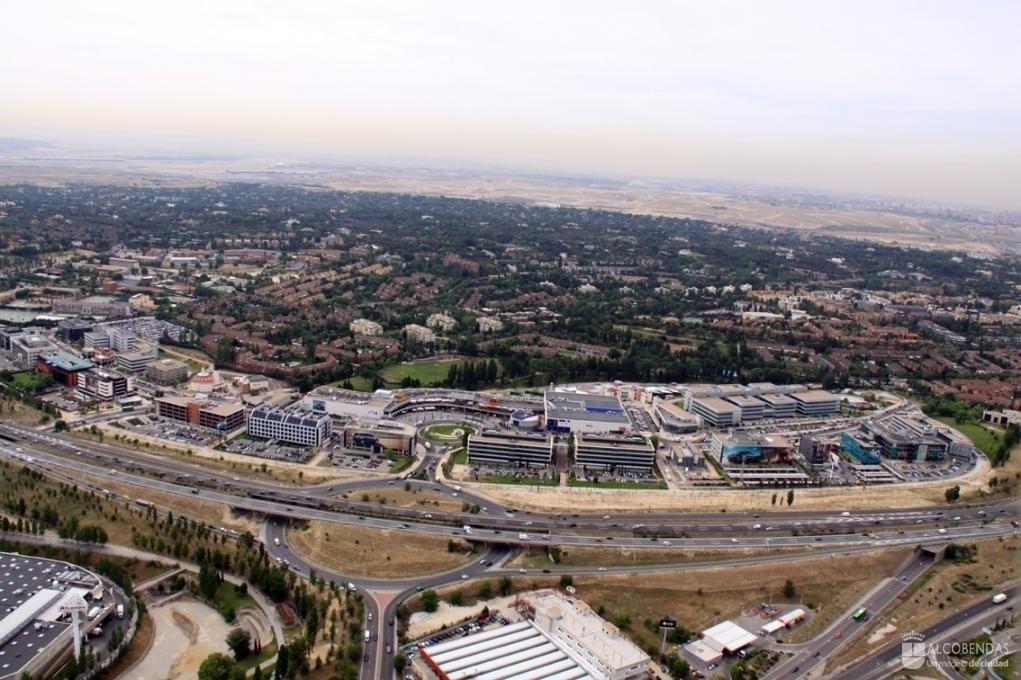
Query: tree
x,y
952,494
790,497
239,642
774,499
788,589
506,585
220,667
455,598
486,590
209,582
400,661
566,581
430,600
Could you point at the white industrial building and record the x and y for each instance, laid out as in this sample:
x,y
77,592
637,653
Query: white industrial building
x,y
570,411
716,412
725,637
563,639
341,403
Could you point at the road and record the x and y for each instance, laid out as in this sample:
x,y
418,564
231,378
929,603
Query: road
x,y
813,654
963,624
66,458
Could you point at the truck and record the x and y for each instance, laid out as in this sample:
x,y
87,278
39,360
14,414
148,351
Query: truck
x,y
522,537
999,598
368,635
93,613
120,611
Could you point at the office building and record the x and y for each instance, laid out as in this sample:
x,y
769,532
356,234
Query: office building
x,y
139,357
292,427
73,330
106,385
610,452
26,348
815,403
860,447
516,449
673,418
752,408
744,449
580,412
716,412
63,366
899,440
380,436
167,371
225,416
779,405
816,450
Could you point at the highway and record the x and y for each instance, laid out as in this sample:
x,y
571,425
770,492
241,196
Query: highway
x,y
815,652
963,624
498,528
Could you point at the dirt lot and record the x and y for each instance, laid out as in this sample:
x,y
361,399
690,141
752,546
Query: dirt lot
x,y
422,500
622,557
374,552
186,633
948,585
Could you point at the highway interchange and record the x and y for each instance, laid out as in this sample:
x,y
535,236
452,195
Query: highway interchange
x,y
499,528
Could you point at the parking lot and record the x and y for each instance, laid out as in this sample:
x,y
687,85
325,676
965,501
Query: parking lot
x,y
171,430
470,627
267,448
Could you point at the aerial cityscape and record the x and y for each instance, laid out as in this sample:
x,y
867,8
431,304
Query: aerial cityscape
x,y
531,365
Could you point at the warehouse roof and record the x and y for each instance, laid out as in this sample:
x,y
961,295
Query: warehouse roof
x,y
727,636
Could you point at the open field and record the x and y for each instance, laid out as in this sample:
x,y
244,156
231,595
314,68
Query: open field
x,y
194,357
447,432
950,584
20,413
426,373
985,439
700,598
374,552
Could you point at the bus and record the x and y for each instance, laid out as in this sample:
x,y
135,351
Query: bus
x,y
860,614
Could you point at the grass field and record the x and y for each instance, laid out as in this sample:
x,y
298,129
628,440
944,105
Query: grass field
x,y
459,457
412,498
425,373
373,552
446,432
573,556
984,439
614,485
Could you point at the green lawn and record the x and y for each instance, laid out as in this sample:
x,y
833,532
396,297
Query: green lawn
x,y
521,481
614,485
445,432
459,457
228,598
401,464
425,373
984,439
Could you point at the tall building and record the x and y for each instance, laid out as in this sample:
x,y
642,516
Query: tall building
x,y
365,327
815,403
105,385
167,371
420,333
444,322
63,366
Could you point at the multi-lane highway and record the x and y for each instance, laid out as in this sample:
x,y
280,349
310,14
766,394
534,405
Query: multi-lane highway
x,y
498,527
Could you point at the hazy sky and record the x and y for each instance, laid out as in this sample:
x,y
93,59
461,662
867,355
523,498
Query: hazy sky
x,y
905,98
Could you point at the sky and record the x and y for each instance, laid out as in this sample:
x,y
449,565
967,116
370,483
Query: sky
x,y
914,99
